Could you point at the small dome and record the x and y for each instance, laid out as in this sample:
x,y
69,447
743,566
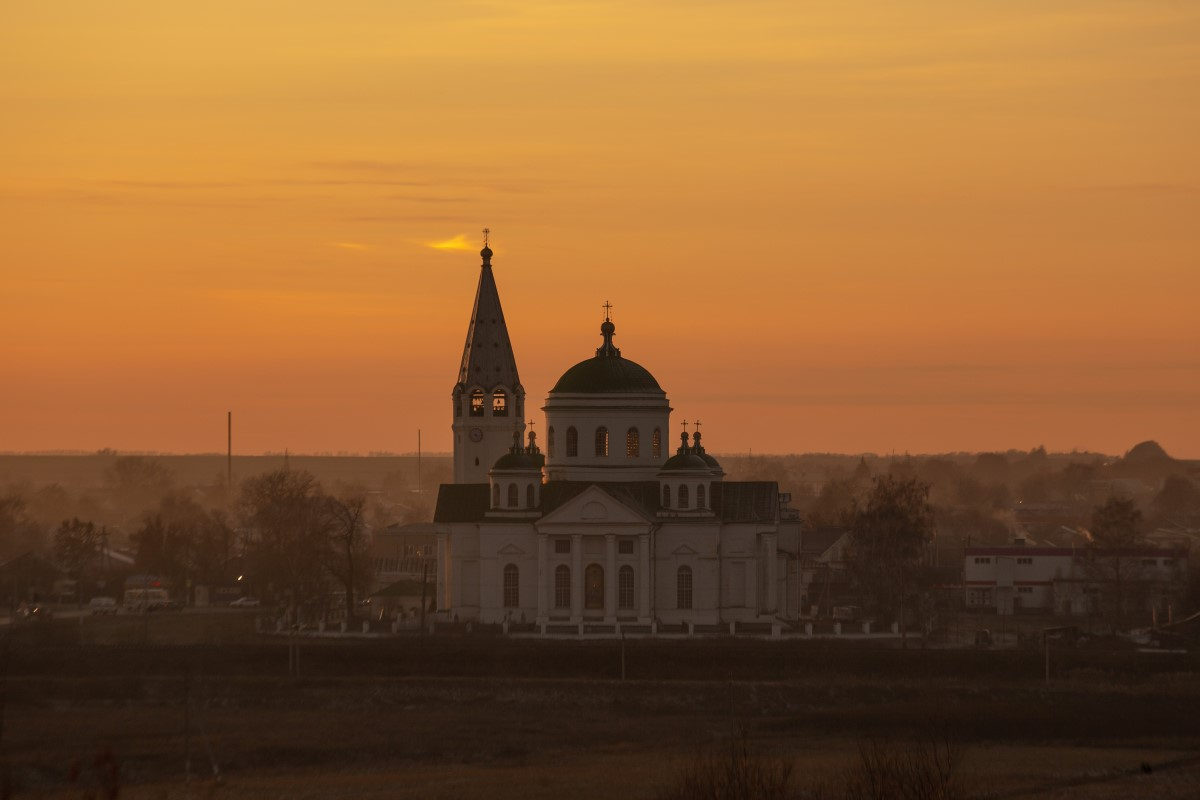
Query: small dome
x,y
686,462
531,462
486,252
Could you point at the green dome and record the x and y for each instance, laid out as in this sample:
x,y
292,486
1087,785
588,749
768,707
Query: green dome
x,y
520,461
681,462
604,374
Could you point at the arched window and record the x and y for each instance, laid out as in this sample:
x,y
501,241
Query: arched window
x,y
477,403
495,495
683,497
499,403
512,586
512,495
665,504
700,496
458,406
562,586
683,588
550,442
593,587
625,587
572,442
602,441
633,446
656,444
529,496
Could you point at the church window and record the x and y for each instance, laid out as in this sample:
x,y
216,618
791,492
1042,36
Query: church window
x,y
700,496
625,547
562,586
666,497
683,588
477,403
593,587
550,442
572,442
602,441
529,496
512,495
458,406
495,495
683,497
562,546
499,403
625,587
656,444
512,586
633,447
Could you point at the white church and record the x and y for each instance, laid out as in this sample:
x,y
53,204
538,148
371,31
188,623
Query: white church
x,y
608,526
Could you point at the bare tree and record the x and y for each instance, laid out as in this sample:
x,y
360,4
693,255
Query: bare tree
x,y
890,537
348,539
1113,560
285,534
77,549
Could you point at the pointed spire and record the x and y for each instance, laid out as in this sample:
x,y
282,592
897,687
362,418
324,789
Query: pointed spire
x,y
488,359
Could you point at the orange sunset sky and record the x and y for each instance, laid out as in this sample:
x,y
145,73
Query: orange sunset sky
x,y
844,226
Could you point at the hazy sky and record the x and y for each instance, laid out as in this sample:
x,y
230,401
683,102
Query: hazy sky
x,y
824,226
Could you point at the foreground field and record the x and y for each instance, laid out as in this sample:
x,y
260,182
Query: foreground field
x,y
498,719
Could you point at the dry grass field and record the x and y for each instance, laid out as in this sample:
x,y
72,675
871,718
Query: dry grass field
x,y
492,718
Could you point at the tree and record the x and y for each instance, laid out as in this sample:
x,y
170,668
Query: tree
x,y
890,536
77,549
137,483
19,532
285,535
1112,559
350,559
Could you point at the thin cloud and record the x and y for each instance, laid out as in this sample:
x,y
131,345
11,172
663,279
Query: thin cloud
x,y
459,242
349,245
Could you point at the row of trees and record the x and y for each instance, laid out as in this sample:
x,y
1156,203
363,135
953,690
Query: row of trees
x,y
285,538
893,531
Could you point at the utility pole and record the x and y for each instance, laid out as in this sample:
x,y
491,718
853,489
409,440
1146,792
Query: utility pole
x,y
229,450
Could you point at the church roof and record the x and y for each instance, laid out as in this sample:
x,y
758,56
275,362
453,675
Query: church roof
x,y
488,358
607,371
733,501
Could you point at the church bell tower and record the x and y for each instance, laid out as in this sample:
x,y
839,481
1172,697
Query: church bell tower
x,y
489,401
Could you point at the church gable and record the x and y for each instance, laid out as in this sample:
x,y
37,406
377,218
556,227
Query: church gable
x,y
592,506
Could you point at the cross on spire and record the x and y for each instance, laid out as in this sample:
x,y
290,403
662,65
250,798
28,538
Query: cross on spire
x,y
486,232
684,424
607,308
697,424
531,423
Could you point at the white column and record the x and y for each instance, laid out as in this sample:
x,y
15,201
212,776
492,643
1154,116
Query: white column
x,y
642,578
576,577
610,577
770,542
443,557
541,579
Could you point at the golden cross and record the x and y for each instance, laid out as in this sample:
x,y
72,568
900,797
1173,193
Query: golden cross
x,y
486,233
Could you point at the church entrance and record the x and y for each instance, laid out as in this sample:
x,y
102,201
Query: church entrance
x,y
593,588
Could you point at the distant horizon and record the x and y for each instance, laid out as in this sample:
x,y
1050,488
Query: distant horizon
x,y
114,452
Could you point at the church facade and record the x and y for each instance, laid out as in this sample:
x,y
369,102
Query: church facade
x,y
608,525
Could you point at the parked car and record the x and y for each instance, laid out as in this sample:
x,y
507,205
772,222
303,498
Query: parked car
x,y
103,605
246,602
